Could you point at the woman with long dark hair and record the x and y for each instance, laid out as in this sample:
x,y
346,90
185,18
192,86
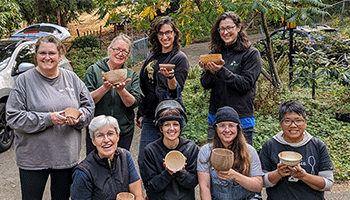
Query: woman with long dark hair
x,y
244,179
236,74
158,83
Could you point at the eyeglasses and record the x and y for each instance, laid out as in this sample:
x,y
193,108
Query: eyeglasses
x,y
228,29
117,51
223,126
288,122
50,53
166,33
101,136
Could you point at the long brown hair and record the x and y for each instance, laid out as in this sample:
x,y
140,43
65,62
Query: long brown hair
x,y
154,29
217,44
242,161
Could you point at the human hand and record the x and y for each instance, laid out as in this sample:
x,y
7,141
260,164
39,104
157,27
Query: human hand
x,y
166,73
297,171
71,121
108,85
139,122
283,170
57,118
226,175
167,169
213,67
121,86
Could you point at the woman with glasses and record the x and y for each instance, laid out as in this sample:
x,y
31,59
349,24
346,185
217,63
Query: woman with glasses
x,y
158,83
118,100
244,179
310,178
108,169
236,74
47,143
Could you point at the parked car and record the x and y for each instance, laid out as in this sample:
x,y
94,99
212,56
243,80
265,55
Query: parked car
x,y
43,29
16,57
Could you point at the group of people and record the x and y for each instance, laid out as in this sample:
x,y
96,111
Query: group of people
x,y
48,143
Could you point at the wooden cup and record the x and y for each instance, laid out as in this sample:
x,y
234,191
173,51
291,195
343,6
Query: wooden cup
x,y
222,159
72,112
116,76
125,196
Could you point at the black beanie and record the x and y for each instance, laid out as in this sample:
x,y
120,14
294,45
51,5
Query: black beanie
x,y
226,113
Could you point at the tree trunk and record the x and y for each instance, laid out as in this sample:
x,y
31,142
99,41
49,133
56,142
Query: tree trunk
x,y
274,72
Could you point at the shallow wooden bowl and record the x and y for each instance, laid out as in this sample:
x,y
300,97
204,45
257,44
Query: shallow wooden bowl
x,y
290,158
115,76
222,159
167,66
72,112
216,58
175,160
125,196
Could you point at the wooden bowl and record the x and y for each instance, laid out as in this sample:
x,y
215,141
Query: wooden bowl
x,y
167,66
125,196
175,160
116,76
290,158
222,159
216,58
72,112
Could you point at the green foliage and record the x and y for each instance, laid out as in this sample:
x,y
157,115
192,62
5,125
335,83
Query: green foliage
x,y
54,11
196,101
83,59
85,41
10,17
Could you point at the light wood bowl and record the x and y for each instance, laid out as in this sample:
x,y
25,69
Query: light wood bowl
x,y
167,66
222,159
216,58
125,196
290,158
72,112
175,160
116,76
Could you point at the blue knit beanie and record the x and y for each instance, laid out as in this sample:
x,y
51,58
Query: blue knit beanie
x,y
226,113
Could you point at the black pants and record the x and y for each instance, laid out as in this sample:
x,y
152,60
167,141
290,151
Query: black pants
x,y
124,142
33,183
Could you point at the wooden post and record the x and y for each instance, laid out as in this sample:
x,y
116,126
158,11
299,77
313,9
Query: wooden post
x,y
100,37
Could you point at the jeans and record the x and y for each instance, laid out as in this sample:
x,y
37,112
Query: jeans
x,y
33,183
149,133
247,132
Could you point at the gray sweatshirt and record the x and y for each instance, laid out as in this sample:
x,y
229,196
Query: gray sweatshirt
x,y
38,143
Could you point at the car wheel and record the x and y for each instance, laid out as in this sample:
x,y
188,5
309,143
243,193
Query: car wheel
x,y
6,133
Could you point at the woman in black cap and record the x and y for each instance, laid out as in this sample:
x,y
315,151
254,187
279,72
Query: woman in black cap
x,y
244,179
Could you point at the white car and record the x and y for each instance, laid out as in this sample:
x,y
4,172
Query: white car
x,y
16,57
43,29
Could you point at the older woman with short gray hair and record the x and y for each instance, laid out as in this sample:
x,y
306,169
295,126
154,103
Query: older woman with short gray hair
x,y
117,100
108,169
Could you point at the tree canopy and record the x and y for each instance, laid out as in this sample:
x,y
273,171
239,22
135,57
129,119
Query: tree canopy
x,y
10,17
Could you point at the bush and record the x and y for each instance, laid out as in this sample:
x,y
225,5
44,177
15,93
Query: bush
x,y
85,41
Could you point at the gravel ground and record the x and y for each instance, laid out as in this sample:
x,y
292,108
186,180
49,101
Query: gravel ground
x,y
9,177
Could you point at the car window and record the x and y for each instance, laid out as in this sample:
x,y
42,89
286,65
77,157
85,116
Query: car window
x,y
6,49
49,29
31,29
24,55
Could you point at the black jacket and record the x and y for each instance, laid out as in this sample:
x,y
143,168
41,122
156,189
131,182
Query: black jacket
x,y
108,179
234,84
159,184
155,85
